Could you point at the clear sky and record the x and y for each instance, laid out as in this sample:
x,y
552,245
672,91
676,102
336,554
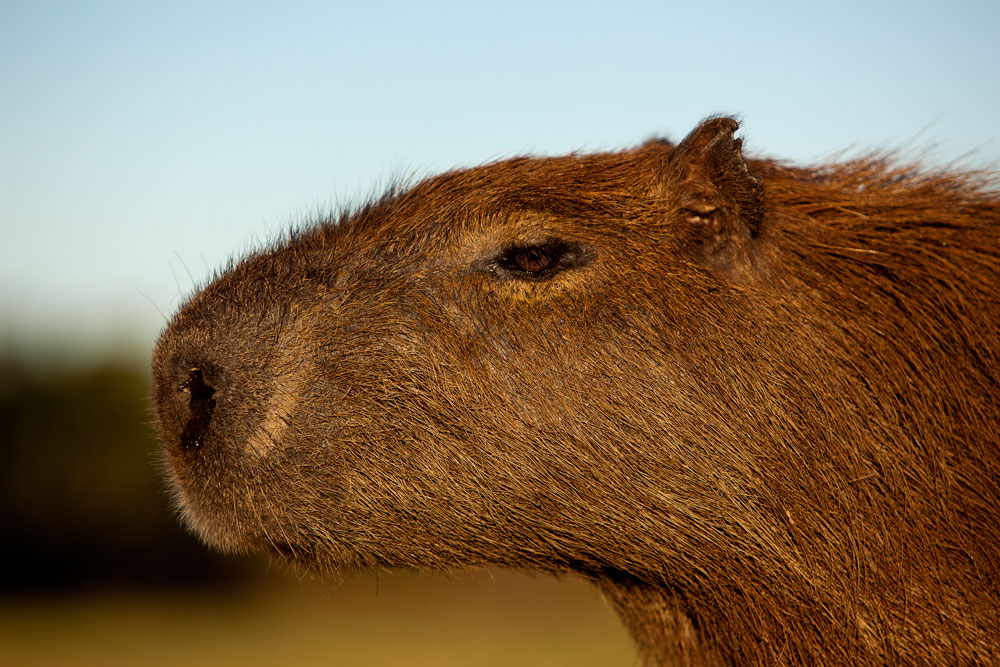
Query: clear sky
x,y
141,143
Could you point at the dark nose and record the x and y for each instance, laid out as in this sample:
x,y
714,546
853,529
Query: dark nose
x,y
201,405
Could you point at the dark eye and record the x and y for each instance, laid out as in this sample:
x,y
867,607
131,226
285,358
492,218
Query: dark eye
x,y
535,261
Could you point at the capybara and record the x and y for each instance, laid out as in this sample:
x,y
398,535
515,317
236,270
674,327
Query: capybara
x,y
757,404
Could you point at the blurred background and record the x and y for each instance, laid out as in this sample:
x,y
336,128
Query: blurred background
x,y
144,144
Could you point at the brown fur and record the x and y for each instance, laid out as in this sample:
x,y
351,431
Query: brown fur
x,y
756,404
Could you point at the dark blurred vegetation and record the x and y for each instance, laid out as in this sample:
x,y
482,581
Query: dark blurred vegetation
x,y
82,504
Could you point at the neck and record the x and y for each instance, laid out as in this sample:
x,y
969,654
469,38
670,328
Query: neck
x,y
755,628
663,632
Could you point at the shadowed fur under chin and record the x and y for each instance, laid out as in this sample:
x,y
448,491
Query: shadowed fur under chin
x,y
757,405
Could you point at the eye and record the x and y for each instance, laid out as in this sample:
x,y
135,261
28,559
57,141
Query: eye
x,y
535,261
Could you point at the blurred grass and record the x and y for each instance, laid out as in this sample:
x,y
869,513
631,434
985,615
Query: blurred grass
x,y
403,619
95,569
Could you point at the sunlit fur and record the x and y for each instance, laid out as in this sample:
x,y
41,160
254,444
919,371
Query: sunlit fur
x,y
763,420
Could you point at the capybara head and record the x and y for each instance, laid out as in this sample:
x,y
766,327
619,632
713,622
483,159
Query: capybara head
x,y
757,404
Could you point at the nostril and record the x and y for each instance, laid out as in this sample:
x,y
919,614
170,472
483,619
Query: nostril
x,y
201,406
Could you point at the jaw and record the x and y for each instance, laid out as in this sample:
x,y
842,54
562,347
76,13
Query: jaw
x,y
204,521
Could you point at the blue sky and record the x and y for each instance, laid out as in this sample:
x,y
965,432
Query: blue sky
x,y
142,144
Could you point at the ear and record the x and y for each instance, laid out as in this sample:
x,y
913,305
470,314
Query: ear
x,y
719,204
